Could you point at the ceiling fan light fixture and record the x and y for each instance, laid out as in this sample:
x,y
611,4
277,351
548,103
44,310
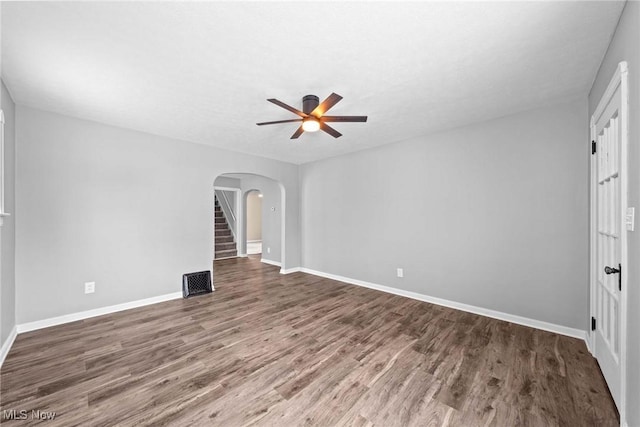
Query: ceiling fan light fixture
x,y
311,124
313,116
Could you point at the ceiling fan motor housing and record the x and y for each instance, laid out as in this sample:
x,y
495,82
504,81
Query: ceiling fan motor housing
x,y
309,103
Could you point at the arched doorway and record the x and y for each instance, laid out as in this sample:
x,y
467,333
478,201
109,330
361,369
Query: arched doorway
x,y
272,219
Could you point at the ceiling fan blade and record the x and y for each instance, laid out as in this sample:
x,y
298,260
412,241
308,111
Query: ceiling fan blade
x,y
331,131
297,133
279,121
325,105
287,107
344,118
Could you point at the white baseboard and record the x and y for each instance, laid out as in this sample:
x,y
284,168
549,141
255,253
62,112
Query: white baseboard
x,y
532,323
538,324
268,261
290,270
6,346
587,341
53,321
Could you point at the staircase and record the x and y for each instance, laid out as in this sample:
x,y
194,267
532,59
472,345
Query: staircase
x,y
225,247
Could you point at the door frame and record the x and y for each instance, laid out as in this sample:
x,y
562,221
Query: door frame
x,y
245,216
619,80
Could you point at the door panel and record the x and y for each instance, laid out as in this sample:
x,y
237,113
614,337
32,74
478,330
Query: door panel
x,y
609,237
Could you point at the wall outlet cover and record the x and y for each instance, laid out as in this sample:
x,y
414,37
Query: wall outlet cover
x,y
89,287
630,219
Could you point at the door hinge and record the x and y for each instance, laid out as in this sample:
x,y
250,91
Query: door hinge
x,y
593,147
593,323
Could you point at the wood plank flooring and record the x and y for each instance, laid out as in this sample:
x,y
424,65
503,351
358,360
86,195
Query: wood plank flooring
x,y
272,350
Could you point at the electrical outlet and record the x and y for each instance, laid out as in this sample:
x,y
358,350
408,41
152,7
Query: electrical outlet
x,y
400,272
89,287
268,250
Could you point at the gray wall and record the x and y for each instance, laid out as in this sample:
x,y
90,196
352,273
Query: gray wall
x,y
7,231
493,215
625,46
128,210
254,216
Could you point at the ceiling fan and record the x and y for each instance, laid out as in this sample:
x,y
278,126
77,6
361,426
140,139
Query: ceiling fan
x,y
312,115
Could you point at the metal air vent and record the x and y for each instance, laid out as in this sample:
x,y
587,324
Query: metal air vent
x,y
196,283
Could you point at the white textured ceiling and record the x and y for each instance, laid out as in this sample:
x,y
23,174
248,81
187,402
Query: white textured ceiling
x,y
202,72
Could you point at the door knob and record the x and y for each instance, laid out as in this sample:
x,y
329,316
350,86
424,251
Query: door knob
x,y
609,270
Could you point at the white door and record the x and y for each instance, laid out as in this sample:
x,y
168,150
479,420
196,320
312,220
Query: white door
x,y
609,233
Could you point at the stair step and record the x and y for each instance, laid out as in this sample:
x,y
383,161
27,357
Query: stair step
x,y
227,246
225,254
223,239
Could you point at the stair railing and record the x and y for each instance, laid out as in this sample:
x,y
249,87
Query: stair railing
x,y
227,209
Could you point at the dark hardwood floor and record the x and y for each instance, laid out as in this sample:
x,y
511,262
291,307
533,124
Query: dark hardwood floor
x,y
274,350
